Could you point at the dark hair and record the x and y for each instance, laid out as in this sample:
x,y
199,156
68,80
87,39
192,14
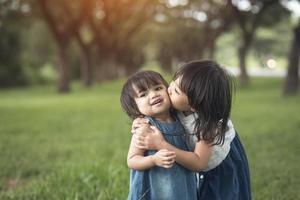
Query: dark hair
x,y
142,80
209,90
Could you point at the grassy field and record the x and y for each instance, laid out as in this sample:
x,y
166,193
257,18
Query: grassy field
x,y
74,146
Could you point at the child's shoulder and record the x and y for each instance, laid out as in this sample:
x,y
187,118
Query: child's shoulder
x,y
186,118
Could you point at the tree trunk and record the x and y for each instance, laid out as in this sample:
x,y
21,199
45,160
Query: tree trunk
x,y
291,84
86,66
244,78
63,86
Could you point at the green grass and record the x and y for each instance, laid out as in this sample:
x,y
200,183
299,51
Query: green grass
x,y
74,146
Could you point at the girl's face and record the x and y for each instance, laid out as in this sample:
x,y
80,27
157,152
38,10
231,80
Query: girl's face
x,y
153,101
178,98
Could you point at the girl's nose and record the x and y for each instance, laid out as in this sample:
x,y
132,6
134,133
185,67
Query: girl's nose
x,y
152,94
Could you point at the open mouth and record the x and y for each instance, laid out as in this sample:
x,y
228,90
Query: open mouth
x,y
157,101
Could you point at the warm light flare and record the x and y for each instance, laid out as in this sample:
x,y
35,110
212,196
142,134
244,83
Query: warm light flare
x,y
271,63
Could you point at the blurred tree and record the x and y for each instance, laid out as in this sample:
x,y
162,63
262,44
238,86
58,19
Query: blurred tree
x,y
63,24
38,51
191,30
250,15
267,45
83,37
291,85
11,71
115,24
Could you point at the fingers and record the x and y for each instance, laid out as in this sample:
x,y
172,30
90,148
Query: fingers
x,y
139,141
143,130
135,127
167,158
166,153
154,128
138,122
168,163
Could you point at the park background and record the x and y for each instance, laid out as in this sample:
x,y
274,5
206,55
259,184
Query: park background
x,y
63,134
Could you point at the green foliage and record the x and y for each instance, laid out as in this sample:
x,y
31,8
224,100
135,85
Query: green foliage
x,y
268,45
74,146
38,53
11,72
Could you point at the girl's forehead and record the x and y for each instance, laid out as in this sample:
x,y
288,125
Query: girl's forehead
x,y
142,87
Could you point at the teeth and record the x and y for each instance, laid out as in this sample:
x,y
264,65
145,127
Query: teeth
x,y
157,101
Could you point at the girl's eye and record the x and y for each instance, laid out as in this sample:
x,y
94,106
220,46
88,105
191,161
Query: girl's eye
x,y
142,95
158,88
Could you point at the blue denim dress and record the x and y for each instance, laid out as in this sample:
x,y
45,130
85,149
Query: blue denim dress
x,y
231,179
157,183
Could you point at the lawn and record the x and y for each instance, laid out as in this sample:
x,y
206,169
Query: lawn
x,y
74,146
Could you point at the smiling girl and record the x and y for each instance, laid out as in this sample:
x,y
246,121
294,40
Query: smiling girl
x,y
154,174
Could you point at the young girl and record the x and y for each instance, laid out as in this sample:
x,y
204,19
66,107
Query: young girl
x,y
154,174
202,91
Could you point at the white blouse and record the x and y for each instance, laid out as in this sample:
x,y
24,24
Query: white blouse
x,y
219,152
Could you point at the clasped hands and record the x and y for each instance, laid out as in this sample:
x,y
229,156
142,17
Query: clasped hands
x,y
149,137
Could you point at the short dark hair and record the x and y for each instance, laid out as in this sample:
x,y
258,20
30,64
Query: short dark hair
x,y
209,89
142,80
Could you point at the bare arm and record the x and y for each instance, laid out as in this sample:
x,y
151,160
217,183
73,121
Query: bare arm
x,y
136,159
194,161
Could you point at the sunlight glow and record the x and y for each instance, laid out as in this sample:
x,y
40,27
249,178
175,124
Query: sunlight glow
x,y
200,16
242,4
100,14
160,18
173,3
271,63
25,8
293,6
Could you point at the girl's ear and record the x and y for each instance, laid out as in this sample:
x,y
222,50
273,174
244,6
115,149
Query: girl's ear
x,y
193,110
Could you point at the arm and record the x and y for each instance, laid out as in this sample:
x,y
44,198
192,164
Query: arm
x,y
136,159
194,161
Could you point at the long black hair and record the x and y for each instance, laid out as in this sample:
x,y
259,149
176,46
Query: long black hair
x,y
142,80
209,90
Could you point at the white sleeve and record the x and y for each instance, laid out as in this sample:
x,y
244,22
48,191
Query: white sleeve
x,y
220,152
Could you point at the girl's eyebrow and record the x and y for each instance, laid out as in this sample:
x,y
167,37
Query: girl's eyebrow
x,y
156,85
142,90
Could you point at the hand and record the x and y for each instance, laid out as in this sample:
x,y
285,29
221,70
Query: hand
x,y
149,138
137,123
164,158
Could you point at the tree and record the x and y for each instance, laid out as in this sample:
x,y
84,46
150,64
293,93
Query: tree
x,y
291,85
192,31
63,25
11,71
249,19
114,26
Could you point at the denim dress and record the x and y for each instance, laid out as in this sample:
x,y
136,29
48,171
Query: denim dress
x,y
157,183
230,180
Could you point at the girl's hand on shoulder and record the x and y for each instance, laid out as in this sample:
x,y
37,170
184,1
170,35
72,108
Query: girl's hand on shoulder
x,y
140,136
164,158
137,123
148,138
